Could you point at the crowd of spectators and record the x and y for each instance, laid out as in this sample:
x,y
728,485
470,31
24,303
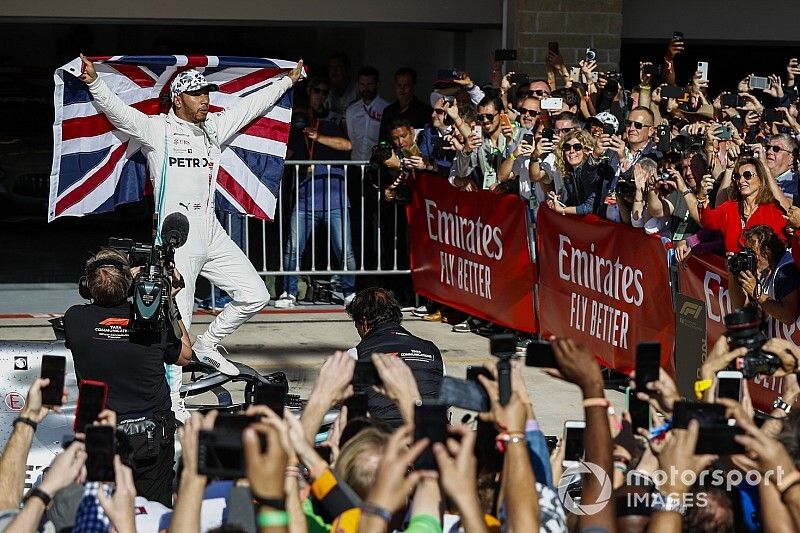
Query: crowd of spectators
x,y
372,474
707,173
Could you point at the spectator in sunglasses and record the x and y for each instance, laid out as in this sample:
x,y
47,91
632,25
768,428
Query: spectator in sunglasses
x,y
751,203
482,155
639,130
781,153
577,157
539,89
528,111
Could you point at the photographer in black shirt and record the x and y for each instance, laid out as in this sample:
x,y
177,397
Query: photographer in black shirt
x,y
377,318
105,347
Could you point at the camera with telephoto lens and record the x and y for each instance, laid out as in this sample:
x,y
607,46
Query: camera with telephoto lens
x,y
744,330
744,261
153,307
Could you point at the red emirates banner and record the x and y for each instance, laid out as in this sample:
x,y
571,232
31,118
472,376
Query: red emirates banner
x,y
605,285
469,250
706,278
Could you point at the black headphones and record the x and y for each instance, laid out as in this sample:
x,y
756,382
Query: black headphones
x,y
83,287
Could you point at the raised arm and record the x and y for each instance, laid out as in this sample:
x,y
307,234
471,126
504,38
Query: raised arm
x,y
234,118
125,118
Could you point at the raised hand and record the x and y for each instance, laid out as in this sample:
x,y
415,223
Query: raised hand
x,y
119,507
88,73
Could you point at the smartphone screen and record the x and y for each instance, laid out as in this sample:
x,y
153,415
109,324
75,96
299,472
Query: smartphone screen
x,y
540,354
430,421
220,454
474,371
648,358
639,411
91,401
503,344
573,442
100,450
706,414
53,368
528,138
365,375
729,387
356,406
273,395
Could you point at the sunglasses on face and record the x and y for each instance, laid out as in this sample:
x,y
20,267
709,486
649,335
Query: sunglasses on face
x,y
636,124
486,117
747,175
577,147
775,148
439,111
538,92
562,131
531,112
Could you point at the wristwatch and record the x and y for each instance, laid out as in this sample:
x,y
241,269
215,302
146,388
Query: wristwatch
x,y
667,503
781,404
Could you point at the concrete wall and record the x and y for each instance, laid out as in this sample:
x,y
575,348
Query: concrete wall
x,y
732,20
575,24
449,12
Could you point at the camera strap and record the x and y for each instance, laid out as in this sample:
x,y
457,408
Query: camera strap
x,y
161,187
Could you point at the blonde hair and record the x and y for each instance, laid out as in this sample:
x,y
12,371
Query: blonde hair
x,y
352,463
586,140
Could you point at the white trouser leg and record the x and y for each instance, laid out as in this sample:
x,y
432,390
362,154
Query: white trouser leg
x,y
229,268
188,260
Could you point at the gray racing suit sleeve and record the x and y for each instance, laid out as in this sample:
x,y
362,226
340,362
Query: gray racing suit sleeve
x,y
125,118
231,120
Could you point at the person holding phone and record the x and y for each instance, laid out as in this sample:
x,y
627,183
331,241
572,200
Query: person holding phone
x,y
377,317
752,203
483,161
107,348
577,157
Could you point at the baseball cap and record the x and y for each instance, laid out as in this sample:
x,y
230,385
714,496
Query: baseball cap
x,y
190,80
605,117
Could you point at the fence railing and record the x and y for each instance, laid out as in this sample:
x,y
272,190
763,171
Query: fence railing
x,y
351,205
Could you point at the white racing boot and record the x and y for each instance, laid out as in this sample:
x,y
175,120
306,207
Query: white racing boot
x,y
209,354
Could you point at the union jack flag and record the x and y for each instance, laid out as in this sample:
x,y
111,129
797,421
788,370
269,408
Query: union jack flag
x,y
97,167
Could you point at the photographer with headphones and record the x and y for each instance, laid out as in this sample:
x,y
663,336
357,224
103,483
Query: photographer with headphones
x,y
106,347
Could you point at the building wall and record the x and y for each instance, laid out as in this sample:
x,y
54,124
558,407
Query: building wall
x,y
446,12
575,24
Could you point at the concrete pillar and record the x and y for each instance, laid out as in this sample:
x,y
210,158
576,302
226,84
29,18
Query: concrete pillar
x,y
575,24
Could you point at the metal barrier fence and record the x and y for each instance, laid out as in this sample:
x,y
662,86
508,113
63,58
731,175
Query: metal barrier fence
x,y
377,228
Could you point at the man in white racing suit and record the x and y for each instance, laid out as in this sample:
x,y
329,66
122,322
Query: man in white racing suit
x,y
183,151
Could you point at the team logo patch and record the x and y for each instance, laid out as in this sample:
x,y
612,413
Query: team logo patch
x,y
20,363
115,322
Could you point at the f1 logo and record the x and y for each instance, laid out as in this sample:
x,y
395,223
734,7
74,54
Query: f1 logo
x,y
691,309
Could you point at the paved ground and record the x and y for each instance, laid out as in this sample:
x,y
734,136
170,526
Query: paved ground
x,y
298,342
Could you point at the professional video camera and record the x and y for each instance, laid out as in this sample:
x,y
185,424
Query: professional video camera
x,y
153,307
744,261
744,330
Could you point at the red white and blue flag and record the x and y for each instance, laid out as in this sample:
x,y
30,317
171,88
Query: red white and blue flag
x,y
97,167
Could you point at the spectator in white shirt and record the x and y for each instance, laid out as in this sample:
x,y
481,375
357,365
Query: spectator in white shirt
x,y
363,117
